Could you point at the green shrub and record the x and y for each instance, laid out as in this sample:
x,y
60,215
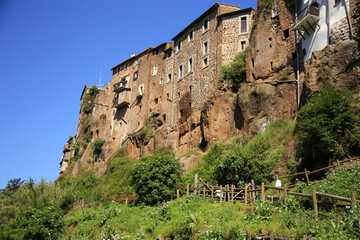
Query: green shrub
x,y
257,158
154,176
33,223
88,107
98,144
93,91
328,128
235,71
267,6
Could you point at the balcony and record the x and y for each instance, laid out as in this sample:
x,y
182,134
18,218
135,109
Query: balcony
x,y
67,148
119,86
307,18
122,99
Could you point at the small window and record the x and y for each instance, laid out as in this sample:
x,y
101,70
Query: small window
x,y
169,77
180,72
243,25
178,45
205,48
337,2
154,70
190,65
136,61
168,54
190,88
205,25
191,36
286,34
141,90
161,81
135,75
205,62
242,45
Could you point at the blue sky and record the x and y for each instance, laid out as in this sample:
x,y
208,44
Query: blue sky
x,y
50,49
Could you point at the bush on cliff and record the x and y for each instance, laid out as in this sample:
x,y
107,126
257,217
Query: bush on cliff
x,y
328,127
154,176
235,71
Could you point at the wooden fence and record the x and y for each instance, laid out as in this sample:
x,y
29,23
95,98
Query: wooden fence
x,y
250,192
125,199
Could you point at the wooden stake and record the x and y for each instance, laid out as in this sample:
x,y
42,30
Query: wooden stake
x,y
353,200
212,192
126,201
232,193
177,194
285,194
307,177
187,189
316,212
262,192
272,236
246,193
253,188
204,191
195,184
221,193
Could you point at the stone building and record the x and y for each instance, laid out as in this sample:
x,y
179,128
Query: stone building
x,y
68,153
164,88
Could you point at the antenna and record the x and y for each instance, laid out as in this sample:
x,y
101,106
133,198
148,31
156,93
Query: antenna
x,y
100,85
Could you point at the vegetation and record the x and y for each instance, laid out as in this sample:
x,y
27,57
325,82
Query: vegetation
x,y
98,144
267,6
93,91
257,158
235,71
328,127
153,178
147,130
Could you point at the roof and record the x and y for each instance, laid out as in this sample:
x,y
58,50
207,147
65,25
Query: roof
x,y
215,6
148,49
235,12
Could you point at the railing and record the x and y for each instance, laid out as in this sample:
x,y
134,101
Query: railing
x,y
309,10
122,99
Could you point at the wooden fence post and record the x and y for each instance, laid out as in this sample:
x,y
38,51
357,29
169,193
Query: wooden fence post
x,y
232,193
204,192
262,192
353,200
315,204
285,194
126,201
307,177
134,198
187,189
177,194
212,192
221,193
246,193
195,184
272,236
253,192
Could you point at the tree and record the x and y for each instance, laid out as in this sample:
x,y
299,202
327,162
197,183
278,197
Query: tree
x,y
328,127
235,71
154,176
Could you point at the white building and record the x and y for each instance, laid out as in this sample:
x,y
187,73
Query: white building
x,y
322,22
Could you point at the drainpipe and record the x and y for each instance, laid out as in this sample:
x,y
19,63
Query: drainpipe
x,y
297,62
349,19
328,21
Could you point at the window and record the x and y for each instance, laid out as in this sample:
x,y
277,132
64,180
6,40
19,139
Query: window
x,y
180,76
337,1
161,81
191,36
190,65
168,54
154,70
243,25
136,61
169,77
178,45
205,48
205,62
205,25
156,52
242,45
141,90
135,75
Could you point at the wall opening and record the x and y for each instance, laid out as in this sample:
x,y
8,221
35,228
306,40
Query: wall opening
x,y
286,33
164,117
156,100
97,132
